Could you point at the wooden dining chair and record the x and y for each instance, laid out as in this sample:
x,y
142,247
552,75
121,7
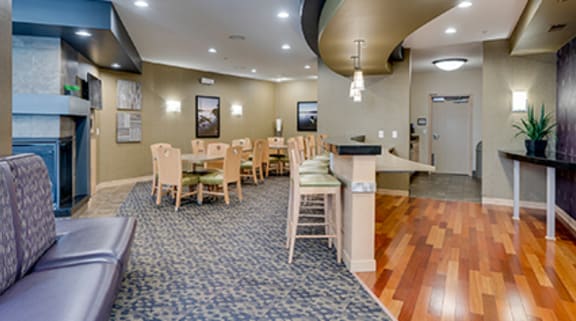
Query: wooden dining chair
x,y
153,151
171,177
253,168
221,179
310,141
198,146
322,144
216,150
265,157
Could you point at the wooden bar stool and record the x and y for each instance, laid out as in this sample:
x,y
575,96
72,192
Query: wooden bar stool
x,y
313,184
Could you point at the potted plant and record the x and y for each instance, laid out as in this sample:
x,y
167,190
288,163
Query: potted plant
x,y
536,130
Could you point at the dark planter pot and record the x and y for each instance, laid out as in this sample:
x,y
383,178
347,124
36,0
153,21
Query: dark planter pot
x,y
536,147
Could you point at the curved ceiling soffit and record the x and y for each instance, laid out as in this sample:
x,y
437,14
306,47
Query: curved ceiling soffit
x,y
382,24
310,11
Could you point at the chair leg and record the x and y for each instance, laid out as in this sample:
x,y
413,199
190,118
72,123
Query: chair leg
x,y
267,169
261,173
294,226
289,214
178,198
226,195
239,189
154,183
200,193
338,218
254,176
158,194
327,216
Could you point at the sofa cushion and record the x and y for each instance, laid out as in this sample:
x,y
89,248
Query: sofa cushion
x,y
102,239
8,255
34,217
82,292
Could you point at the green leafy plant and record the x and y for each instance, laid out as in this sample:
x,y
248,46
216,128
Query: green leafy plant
x,y
535,128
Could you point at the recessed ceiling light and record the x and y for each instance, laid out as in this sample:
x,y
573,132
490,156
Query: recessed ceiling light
x,y
253,70
286,46
83,33
450,31
141,4
115,65
307,67
212,50
465,4
283,15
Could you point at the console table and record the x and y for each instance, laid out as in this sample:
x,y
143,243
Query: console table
x,y
552,161
354,163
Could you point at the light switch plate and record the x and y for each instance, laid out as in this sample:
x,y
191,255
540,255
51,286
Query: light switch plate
x,y
394,134
380,134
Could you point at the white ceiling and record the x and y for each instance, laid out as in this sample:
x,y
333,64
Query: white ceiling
x,y
179,33
484,20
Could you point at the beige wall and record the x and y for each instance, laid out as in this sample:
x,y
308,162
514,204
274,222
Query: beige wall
x,y
5,77
385,106
455,83
287,96
501,75
160,83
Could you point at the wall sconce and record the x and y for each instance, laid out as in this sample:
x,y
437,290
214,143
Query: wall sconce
x,y
519,101
173,106
236,110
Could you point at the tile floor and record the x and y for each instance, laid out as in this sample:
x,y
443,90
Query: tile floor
x,y
105,202
446,187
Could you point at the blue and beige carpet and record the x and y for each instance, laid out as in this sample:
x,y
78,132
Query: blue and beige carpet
x,y
218,262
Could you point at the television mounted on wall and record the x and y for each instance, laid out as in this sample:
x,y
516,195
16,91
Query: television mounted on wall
x,y
94,91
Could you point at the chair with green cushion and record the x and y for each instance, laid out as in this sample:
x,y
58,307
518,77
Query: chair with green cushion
x,y
311,185
171,177
253,168
154,152
221,179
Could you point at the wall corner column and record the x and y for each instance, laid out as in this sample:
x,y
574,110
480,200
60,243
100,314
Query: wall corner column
x,y
5,77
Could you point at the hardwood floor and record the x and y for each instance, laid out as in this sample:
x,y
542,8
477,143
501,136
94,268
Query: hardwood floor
x,y
446,260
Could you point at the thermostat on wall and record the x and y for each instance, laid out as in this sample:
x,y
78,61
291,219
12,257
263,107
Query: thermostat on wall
x,y
206,81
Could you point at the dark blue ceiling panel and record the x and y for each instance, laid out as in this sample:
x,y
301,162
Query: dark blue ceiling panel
x,y
109,43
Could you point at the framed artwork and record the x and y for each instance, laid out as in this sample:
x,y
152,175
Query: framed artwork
x,y
307,116
207,117
129,95
128,127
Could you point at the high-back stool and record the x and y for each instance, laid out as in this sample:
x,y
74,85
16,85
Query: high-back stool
x,y
313,184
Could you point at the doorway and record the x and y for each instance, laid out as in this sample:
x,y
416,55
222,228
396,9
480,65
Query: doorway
x,y
449,149
451,143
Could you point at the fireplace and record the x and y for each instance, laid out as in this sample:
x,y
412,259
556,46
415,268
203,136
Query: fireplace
x,y
58,154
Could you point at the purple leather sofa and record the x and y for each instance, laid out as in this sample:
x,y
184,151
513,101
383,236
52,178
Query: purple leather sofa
x,y
54,270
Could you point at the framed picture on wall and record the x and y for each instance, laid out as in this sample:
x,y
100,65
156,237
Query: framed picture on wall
x,y
207,117
129,95
307,117
128,127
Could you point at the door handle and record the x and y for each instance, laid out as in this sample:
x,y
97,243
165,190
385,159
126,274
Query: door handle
x,y
436,136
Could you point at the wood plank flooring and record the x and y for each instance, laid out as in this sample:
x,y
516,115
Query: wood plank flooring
x,y
446,260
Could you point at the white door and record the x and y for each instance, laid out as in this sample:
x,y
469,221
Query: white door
x,y
451,137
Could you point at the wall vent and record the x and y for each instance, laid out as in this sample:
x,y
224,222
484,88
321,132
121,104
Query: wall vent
x,y
557,27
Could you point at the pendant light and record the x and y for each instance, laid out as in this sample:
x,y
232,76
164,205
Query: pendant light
x,y
357,84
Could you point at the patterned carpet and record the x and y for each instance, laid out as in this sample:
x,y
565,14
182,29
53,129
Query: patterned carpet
x,y
218,262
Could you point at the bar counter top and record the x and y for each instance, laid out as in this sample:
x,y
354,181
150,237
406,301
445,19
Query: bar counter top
x,y
347,146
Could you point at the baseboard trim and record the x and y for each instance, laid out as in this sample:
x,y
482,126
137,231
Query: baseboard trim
x,y
122,182
510,203
566,219
375,298
393,192
358,265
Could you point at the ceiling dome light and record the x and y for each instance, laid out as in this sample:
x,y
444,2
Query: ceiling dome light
x,y
450,64
283,15
307,67
115,65
465,4
286,46
450,31
141,4
253,71
83,33
212,50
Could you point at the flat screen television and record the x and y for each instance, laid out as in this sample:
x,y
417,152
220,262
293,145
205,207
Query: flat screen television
x,y
94,91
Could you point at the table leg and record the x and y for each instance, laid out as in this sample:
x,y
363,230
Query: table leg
x,y
516,212
550,203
